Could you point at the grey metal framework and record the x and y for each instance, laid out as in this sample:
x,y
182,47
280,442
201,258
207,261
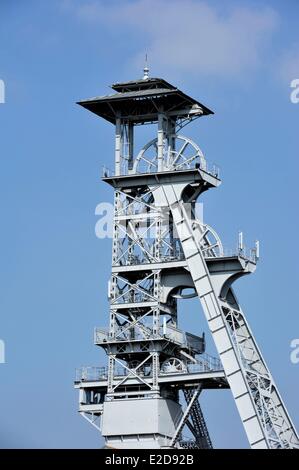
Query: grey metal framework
x,y
161,248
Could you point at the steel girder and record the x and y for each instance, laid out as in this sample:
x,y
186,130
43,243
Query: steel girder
x,y
262,411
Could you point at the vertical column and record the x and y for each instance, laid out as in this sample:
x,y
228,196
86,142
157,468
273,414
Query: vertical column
x,y
173,242
156,321
160,141
156,330
131,145
158,235
170,134
112,324
156,368
113,288
111,363
129,229
118,146
156,310
115,241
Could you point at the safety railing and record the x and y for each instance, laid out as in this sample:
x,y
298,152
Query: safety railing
x,y
247,254
184,339
90,373
205,363
101,335
135,260
213,170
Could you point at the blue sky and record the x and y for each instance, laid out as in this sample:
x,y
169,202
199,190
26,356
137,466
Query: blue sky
x,y
238,59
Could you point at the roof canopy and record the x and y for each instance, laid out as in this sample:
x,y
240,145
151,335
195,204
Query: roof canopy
x,y
140,101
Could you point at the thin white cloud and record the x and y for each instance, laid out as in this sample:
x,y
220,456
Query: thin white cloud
x,y
190,36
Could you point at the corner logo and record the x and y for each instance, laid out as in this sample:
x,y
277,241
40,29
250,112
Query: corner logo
x,y
2,92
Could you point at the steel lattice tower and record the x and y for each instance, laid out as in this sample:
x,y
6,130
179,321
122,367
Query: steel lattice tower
x,y
160,248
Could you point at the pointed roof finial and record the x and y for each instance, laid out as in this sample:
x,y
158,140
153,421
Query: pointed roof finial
x,y
146,69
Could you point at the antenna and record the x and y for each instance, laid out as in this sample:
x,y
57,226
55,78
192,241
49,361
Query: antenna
x,y
146,69
257,249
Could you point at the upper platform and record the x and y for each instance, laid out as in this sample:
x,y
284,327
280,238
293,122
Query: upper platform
x,y
188,176
139,101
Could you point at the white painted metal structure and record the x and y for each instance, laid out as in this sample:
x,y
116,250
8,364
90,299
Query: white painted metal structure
x,y
159,250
